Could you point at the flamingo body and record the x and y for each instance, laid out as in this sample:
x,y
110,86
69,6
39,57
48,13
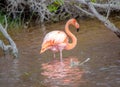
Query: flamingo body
x,y
58,40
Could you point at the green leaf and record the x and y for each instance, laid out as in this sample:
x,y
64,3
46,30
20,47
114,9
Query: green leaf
x,y
94,1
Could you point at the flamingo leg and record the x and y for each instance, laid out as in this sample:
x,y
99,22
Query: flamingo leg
x,y
61,56
54,55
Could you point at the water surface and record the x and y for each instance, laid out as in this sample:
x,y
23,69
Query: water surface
x,y
34,70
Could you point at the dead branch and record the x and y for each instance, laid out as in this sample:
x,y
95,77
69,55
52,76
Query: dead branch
x,y
40,8
86,12
71,8
106,22
94,13
105,6
7,48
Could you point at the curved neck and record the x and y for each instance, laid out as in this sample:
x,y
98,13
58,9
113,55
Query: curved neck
x,y
74,39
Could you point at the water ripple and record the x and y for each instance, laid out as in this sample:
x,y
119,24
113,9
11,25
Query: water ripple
x,y
62,75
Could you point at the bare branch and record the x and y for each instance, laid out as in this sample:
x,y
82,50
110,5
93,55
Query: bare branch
x,y
6,24
106,22
4,47
86,12
104,6
12,45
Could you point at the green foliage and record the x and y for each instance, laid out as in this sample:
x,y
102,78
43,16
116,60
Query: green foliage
x,y
59,2
54,6
12,23
2,18
94,1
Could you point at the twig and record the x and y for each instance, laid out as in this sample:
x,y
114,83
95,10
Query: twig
x,y
108,12
84,61
6,24
86,12
73,63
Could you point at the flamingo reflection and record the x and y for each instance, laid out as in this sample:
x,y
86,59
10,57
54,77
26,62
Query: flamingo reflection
x,y
57,75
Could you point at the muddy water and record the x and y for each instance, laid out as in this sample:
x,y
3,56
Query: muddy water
x,y
31,69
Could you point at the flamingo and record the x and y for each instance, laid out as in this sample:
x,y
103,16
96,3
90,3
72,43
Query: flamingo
x,y
58,40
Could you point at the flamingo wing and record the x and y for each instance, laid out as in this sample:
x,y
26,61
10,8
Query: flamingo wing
x,y
55,37
55,40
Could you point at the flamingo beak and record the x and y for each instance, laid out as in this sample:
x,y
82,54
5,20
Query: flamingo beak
x,y
77,29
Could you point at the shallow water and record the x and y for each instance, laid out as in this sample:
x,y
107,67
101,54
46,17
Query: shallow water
x,y
34,70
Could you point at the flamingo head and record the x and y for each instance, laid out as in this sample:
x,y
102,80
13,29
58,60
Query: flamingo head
x,y
75,23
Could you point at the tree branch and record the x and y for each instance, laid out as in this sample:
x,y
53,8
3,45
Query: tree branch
x,y
6,24
12,45
86,12
106,22
103,6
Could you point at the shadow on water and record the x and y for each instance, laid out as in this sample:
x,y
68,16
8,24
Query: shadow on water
x,y
35,70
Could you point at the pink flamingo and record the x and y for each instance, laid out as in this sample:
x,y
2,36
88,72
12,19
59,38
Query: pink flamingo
x,y
58,40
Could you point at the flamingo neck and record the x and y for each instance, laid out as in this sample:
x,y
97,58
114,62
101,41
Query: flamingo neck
x,y
74,39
